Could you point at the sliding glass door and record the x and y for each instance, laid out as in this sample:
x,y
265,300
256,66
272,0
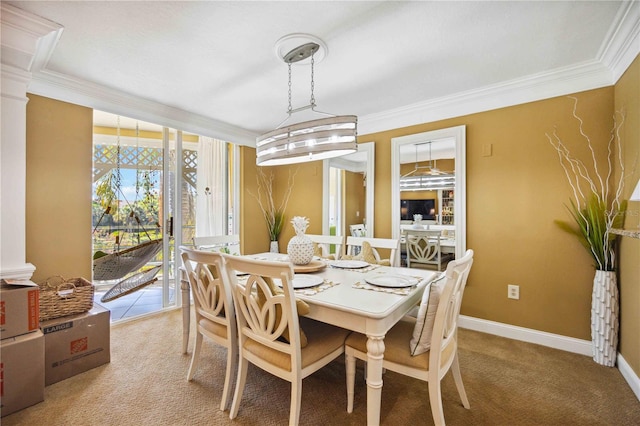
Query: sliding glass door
x,y
144,208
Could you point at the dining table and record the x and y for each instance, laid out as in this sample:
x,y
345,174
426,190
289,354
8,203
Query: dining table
x,y
354,295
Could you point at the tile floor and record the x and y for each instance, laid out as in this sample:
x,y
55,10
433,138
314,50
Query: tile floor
x,y
143,301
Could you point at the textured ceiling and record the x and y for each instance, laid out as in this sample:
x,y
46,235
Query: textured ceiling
x,y
216,58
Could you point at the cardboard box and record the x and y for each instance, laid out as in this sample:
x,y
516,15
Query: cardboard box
x,y
21,372
76,343
19,307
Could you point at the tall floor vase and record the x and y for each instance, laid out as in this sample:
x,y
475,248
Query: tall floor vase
x,y
604,318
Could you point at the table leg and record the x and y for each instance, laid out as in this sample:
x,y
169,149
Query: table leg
x,y
375,355
186,313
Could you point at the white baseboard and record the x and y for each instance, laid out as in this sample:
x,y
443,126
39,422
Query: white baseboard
x,y
629,375
569,344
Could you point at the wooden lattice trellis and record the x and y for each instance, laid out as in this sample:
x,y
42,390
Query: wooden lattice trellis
x,y
105,158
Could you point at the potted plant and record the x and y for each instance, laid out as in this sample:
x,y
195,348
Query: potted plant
x,y
273,214
596,208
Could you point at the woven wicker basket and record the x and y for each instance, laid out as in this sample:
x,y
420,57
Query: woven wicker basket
x,y
60,297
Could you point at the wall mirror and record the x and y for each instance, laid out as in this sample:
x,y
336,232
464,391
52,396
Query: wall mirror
x,y
429,170
352,174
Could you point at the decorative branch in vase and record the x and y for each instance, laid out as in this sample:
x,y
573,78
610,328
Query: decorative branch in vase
x,y
596,208
273,214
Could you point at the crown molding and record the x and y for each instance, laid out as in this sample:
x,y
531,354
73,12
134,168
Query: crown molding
x,y
14,83
81,92
540,86
622,44
27,39
618,51
620,48
562,81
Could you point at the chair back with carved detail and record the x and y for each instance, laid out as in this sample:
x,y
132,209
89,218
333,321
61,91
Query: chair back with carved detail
x,y
214,310
271,334
423,248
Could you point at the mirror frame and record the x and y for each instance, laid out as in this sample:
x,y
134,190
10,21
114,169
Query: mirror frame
x,y
369,148
460,199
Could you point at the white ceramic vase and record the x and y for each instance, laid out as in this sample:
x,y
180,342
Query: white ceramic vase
x,y
273,247
604,318
300,247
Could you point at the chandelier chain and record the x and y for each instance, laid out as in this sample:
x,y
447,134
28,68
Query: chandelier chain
x,y
313,99
137,155
118,175
290,109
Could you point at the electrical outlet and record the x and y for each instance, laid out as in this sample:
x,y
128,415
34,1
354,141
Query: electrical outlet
x,y
513,291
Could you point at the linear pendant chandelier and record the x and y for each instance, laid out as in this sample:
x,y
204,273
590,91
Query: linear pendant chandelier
x,y
432,180
327,137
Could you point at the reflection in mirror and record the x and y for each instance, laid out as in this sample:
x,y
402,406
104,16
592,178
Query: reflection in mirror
x,y
428,189
350,175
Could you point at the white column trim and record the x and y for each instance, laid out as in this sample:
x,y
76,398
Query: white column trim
x,y
26,40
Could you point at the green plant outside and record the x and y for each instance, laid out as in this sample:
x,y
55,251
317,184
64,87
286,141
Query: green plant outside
x,y
129,223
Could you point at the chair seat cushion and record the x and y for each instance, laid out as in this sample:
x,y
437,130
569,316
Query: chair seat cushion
x,y
396,348
213,328
322,339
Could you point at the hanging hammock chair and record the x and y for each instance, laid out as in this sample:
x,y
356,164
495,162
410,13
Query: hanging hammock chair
x,y
133,283
119,264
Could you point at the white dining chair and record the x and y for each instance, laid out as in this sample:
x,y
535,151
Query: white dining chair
x,y
325,243
214,310
358,230
229,244
426,347
391,244
271,334
423,248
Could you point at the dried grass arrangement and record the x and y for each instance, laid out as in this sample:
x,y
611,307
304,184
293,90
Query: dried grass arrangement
x,y
597,205
273,213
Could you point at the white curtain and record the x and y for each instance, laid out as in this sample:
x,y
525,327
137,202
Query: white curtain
x,y
211,199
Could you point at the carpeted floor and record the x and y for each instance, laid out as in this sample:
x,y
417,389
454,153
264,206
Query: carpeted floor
x,y
508,383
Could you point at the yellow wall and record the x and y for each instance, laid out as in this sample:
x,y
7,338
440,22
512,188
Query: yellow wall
x,y
354,197
627,99
254,237
58,199
513,198
305,200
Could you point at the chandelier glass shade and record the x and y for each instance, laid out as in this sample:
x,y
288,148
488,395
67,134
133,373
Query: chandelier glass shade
x,y
427,182
320,139
308,141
